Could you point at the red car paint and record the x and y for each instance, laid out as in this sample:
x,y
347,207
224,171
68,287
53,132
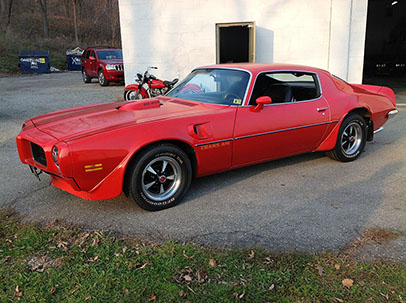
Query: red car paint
x,y
93,63
96,142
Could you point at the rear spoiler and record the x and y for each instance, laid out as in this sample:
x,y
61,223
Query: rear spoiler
x,y
381,90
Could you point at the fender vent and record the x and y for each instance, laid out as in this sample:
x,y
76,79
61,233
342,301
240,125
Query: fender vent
x,y
38,154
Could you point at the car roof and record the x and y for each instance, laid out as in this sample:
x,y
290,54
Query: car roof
x,y
103,48
260,67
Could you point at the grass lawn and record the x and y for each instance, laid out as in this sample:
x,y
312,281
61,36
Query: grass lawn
x,y
10,47
66,264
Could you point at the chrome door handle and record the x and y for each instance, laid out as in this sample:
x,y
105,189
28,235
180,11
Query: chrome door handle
x,y
322,109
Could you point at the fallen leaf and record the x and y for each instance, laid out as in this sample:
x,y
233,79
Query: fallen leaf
x,y
335,206
181,293
6,259
52,290
242,295
320,269
186,256
348,282
212,263
187,278
251,255
18,293
337,266
125,292
338,300
272,286
362,283
385,296
88,298
153,298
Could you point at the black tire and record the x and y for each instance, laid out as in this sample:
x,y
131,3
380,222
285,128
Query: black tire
x,y
155,185
85,77
351,139
130,95
102,79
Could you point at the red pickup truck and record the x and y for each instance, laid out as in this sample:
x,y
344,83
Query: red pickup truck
x,y
105,64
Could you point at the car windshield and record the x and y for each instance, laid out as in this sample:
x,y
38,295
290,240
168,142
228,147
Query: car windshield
x,y
219,86
110,54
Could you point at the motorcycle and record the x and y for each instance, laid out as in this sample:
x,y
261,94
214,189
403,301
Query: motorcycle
x,y
147,86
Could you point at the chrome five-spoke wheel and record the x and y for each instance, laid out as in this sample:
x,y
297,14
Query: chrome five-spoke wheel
x,y
161,178
351,138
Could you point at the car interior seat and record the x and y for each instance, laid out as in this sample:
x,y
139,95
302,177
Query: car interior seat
x,y
279,93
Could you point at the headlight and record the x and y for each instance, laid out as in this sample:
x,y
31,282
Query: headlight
x,y
55,155
110,66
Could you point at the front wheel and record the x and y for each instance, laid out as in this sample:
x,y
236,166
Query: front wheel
x,y
350,140
102,79
160,177
132,95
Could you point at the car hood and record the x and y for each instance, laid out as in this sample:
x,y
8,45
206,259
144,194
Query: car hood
x,y
73,123
112,61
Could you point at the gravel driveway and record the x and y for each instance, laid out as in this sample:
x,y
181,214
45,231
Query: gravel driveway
x,y
307,202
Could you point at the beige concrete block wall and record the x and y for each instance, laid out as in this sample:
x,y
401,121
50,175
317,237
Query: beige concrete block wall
x,y
179,35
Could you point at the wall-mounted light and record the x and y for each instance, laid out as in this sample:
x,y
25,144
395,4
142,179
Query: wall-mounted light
x,y
394,3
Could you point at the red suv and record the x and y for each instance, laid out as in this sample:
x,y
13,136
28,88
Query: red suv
x,y
106,64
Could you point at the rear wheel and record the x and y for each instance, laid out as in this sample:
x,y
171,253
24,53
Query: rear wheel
x,y
85,77
160,177
102,79
350,140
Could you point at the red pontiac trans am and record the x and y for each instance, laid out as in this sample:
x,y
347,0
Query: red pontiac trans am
x,y
220,117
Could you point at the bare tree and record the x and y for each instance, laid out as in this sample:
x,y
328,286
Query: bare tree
x,y
44,12
10,9
2,7
75,21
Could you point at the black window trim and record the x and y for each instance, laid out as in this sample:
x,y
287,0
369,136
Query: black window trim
x,y
314,74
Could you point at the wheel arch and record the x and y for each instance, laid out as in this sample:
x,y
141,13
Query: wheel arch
x,y
188,149
330,141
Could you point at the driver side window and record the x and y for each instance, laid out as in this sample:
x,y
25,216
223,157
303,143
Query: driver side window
x,y
285,87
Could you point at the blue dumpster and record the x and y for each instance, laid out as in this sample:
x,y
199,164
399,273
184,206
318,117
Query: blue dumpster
x,y
73,58
34,62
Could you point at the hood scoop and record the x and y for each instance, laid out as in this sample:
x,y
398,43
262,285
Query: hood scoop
x,y
140,105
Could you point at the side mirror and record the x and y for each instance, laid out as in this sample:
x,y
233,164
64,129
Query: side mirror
x,y
91,58
261,101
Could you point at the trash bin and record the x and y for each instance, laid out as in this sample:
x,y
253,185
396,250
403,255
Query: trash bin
x,y
73,58
34,61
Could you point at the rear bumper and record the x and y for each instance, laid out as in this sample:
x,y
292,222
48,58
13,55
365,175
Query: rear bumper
x,y
392,113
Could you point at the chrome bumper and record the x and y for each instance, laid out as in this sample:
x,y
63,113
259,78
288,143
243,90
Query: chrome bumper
x,y
378,130
392,113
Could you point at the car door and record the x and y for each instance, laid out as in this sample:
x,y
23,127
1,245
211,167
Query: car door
x,y
294,123
93,63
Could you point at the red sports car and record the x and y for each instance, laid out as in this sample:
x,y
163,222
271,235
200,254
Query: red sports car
x,y
220,117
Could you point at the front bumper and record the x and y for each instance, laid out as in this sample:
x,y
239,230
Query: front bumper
x,y
113,75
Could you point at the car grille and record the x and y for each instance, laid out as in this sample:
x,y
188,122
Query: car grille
x,y
38,154
119,67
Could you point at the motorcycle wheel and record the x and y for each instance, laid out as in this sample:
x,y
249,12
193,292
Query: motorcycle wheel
x,y
132,95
